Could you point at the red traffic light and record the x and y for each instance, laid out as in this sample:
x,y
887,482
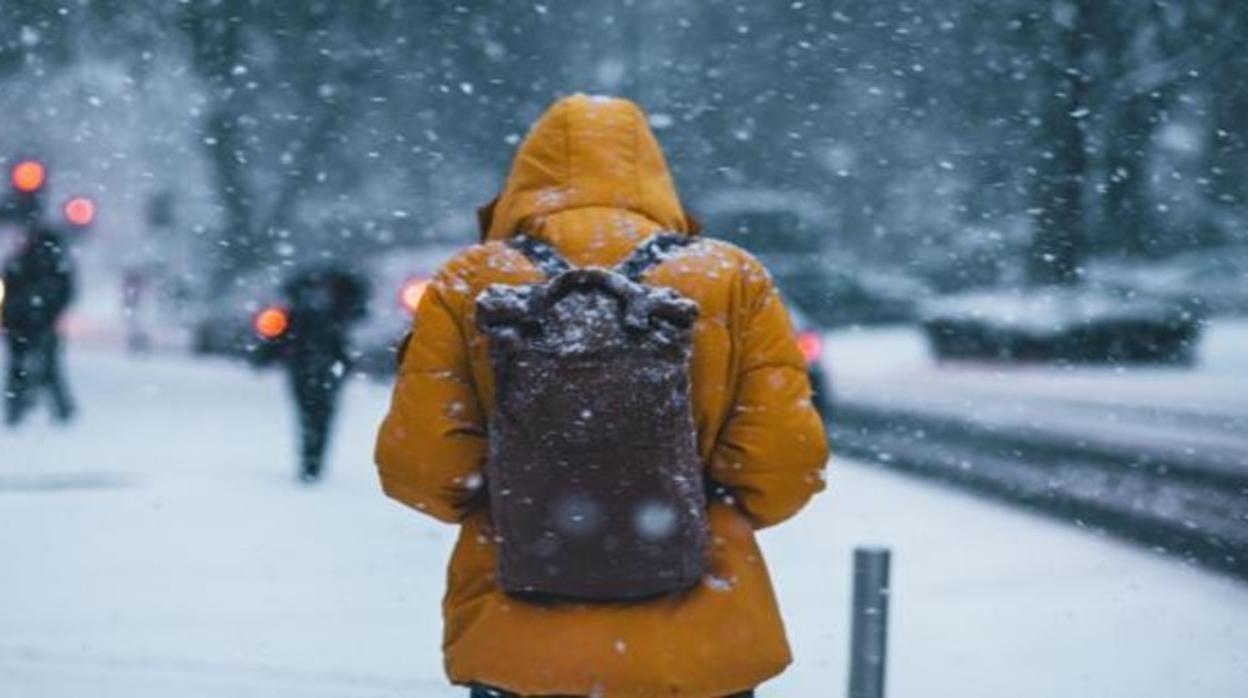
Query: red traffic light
x,y
28,176
272,322
80,211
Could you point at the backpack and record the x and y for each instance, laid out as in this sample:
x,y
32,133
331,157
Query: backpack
x,y
594,479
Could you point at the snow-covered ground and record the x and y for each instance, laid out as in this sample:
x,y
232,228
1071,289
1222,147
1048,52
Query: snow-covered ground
x,y
160,547
1186,413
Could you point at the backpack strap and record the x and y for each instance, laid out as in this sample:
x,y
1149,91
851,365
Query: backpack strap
x,y
541,254
649,254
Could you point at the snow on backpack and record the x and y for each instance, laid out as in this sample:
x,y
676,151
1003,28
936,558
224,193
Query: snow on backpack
x,y
594,479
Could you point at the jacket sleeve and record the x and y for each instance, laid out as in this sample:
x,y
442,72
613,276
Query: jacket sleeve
x,y
772,450
431,447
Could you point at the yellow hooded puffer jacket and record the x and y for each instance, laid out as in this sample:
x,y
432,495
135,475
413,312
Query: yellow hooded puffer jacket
x,y
591,180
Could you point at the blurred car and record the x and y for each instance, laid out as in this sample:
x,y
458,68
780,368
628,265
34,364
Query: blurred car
x,y
399,279
1211,281
836,294
787,232
227,326
1077,324
224,324
810,341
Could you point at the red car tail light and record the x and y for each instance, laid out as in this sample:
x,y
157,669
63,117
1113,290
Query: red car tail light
x,y
412,292
272,322
811,345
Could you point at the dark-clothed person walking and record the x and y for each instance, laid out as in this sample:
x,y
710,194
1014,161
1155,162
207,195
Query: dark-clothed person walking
x,y
39,286
323,302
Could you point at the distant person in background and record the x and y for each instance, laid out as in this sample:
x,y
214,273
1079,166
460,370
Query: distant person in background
x,y
135,281
39,286
322,303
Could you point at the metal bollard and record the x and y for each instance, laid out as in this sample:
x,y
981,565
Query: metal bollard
x,y
869,631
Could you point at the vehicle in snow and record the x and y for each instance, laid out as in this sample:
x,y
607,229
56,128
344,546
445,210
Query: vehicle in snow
x,y
226,325
1061,324
229,325
787,231
1212,281
810,341
399,279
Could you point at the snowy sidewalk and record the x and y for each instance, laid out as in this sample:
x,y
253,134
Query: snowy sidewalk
x,y
160,548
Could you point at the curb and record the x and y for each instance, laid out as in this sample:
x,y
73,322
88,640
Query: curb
x,y
1182,507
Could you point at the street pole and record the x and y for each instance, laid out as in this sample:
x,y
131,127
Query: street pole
x,y
869,629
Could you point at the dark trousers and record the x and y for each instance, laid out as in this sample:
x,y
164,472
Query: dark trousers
x,y
486,692
34,366
315,382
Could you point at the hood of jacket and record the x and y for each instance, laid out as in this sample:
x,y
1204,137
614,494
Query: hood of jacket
x,y
587,151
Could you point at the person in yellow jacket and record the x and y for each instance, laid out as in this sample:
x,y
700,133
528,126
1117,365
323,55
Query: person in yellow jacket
x,y
591,181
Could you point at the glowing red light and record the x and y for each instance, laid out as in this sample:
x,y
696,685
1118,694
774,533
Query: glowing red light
x,y
811,345
28,176
80,211
412,292
272,322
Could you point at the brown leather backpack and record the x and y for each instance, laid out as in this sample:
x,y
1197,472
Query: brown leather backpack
x,y
594,479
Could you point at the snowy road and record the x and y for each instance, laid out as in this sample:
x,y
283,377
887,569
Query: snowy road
x,y
160,548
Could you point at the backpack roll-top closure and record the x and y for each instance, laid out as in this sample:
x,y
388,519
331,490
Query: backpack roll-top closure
x,y
594,479
507,313
655,316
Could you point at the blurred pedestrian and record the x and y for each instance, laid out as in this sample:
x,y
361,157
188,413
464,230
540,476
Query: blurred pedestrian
x,y
321,304
135,284
608,406
39,286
